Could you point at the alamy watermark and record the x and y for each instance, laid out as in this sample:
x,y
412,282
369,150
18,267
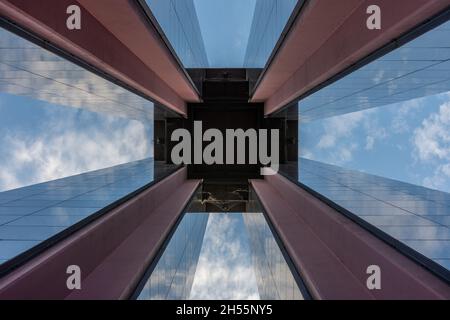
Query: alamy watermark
x,y
374,280
73,21
73,282
374,20
235,139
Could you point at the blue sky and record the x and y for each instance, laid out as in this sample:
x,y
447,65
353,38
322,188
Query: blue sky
x,y
40,141
408,141
225,26
46,128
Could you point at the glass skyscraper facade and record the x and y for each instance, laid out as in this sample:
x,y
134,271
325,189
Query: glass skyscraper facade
x,y
274,278
269,19
416,69
174,274
179,20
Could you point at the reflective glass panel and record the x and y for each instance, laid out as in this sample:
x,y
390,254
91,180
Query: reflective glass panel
x,y
35,213
414,215
222,256
222,33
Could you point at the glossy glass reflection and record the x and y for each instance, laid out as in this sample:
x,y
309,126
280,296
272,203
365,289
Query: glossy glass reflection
x,y
41,142
269,19
179,21
173,276
33,214
406,141
414,215
222,256
59,123
204,33
419,68
29,71
274,278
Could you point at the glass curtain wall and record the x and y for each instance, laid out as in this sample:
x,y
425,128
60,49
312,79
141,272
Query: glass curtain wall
x,y
222,33
179,21
269,20
376,144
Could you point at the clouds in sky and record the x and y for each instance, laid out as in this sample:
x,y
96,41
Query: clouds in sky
x,y
225,270
402,114
432,139
440,178
432,146
70,142
339,128
336,141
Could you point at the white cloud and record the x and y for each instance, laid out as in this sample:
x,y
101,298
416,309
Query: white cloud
x,y
225,270
327,141
432,139
339,127
305,153
8,180
400,119
374,132
343,135
446,169
432,147
370,141
64,147
345,153
439,180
